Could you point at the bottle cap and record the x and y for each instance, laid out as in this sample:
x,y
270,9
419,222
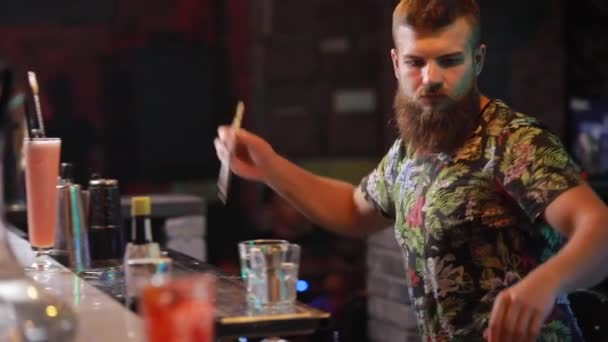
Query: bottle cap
x,y
140,206
103,182
67,171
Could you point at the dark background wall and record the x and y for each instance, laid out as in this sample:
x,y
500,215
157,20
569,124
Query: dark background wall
x,y
135,88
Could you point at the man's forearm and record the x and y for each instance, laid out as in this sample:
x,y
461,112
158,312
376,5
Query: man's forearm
x,y
327,202
582,262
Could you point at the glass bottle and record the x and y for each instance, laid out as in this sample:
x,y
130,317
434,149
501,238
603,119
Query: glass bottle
x,y
144,264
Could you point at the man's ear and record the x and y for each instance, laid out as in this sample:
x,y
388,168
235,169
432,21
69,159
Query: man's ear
x,y
480,58
395,59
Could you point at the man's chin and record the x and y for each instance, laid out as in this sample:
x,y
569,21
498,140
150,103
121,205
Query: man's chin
x,y
434,109
433,104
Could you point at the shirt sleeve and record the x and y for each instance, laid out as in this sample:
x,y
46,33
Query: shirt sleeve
x,y
533,166
377,185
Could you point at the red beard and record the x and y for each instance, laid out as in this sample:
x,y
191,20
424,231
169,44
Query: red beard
x,y
436,130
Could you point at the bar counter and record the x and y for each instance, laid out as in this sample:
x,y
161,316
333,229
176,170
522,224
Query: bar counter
x,y
102,315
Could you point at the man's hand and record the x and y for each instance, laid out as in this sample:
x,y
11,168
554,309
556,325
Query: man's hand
x,y
250,155
519,311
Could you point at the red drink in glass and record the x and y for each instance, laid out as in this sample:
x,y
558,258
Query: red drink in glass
x,y
180,310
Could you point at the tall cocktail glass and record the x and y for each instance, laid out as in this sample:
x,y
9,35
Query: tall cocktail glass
x,y
42,157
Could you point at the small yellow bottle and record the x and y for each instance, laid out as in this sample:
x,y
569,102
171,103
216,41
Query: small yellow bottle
x,y
143,260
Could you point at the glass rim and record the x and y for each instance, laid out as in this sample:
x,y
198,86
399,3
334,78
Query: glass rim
x,y
41,138
264,242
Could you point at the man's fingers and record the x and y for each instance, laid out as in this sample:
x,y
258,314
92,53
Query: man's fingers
x,y
522,321
499,310
534,327
511,319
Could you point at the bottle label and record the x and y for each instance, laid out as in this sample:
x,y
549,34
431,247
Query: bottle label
x,y
142,272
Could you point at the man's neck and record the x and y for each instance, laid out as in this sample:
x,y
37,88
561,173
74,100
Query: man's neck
x,y
483,102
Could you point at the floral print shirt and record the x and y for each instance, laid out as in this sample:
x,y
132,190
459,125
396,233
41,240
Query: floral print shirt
x,y
469,223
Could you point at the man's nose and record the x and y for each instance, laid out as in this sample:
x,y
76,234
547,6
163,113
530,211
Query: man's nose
x,y
431,75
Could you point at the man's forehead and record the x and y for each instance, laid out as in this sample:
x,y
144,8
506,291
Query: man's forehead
x,y
448,39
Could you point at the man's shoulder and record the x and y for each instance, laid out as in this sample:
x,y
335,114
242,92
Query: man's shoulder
x,y
502,117
392,160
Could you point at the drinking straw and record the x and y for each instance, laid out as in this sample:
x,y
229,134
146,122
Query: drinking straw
x,y
31,76
30,118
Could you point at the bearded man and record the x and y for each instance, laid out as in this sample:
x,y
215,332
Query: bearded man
x,y
495,223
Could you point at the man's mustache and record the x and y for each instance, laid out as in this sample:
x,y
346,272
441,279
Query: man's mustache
x,y
432,90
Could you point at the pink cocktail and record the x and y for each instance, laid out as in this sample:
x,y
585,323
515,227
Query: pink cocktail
x,y
42,157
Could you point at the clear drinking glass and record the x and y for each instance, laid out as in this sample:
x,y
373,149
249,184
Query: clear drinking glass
x,y
269,269
42,157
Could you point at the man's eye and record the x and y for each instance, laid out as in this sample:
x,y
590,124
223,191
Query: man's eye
x,y
452,61
414,63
